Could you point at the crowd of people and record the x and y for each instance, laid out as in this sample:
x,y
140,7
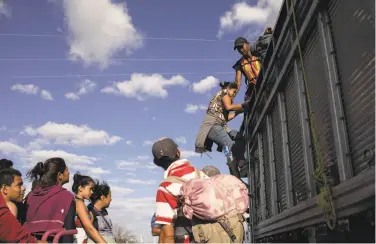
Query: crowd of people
x,y
51,206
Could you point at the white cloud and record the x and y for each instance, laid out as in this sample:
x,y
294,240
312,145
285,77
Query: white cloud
x,y
3,128
151,166
99,29
77,135
144,157
128,142
144,86
241,15
29,89
140,210
205,85
192,109
127,164
29,131
37,143
148,143
130,174
98,171
181,140
188,154
10,148
120,191
72,96
46,95
74,161
140,162
141,182
4,9
85,87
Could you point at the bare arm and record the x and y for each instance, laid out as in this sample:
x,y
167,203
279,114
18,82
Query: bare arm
x,y
155,231
86,222
167,234
238,78
229,106
233,115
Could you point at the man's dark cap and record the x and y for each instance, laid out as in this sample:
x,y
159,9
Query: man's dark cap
x,y
239,42
164,147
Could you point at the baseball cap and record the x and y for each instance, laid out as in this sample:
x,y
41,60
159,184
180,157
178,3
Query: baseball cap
x,y
211,171
164,147
239,42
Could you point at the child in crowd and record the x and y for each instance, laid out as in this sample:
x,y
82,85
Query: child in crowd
x,y
83,188
100,201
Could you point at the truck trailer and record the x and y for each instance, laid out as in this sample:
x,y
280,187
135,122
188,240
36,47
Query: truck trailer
x,y
310,131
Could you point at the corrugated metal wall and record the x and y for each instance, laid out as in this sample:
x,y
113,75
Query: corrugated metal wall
x,y
295,140
279,166
257,187
353,21
268,192
317,87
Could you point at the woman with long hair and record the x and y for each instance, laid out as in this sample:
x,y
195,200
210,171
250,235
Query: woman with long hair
x,y
100,201
49,205
83,188
214,128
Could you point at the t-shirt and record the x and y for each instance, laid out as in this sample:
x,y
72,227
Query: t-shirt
x,y
166,203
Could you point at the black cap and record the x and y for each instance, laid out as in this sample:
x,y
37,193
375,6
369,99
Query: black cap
x,y
164,147
239,42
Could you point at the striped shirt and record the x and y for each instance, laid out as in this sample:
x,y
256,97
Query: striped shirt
x,y
166,203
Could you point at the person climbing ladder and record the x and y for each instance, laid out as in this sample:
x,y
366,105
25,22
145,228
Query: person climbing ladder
x,y
214,127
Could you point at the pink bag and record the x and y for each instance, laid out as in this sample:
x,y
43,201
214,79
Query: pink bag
x,y
210,199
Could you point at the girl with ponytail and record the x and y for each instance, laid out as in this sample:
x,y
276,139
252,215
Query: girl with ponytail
x,y
214,128
83,188
49,205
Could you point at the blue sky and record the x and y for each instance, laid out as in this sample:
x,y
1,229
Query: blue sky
x,y
97,81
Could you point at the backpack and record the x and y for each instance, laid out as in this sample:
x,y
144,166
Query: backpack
x,y
251,68
217,203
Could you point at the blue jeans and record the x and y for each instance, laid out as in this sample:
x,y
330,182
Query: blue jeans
x,y
234,140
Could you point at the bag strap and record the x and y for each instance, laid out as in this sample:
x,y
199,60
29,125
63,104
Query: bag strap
x,y
228,230
100,214
179,180
174,179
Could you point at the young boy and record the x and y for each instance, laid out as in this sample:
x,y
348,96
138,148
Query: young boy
x,y
11,188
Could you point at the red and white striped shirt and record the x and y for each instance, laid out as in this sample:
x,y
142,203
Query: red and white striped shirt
x,y
167,203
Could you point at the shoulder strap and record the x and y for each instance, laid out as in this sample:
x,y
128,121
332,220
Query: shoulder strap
x,y
98,213
176,179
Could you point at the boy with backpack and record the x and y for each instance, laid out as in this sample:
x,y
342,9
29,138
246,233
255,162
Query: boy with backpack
x,y
208,209
175,228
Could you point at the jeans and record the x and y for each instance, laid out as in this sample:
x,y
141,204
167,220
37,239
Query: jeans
x,y
234,141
